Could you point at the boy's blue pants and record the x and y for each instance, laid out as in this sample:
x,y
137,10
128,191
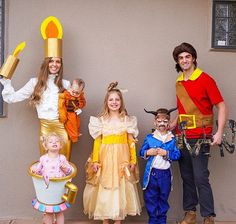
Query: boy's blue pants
x,y
156,195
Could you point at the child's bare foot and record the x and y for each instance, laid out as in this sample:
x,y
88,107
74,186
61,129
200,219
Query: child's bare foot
x,y
105,221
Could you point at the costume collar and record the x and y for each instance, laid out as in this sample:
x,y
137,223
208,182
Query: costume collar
x,y
52,76
197,72
157,135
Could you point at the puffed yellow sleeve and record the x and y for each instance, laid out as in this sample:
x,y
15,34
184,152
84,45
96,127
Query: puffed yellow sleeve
x,y
132,130
95,127
132,126
96,149
132,149
95,130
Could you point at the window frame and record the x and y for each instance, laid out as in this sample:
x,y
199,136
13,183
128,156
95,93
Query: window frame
x,y
2,43
213,45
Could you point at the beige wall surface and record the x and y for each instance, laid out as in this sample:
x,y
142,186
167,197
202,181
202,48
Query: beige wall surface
x,y
130,41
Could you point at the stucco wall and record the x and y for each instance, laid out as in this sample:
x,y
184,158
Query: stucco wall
x,y
130,41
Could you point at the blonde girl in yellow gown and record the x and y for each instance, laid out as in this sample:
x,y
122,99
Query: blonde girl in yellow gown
x,y
112,171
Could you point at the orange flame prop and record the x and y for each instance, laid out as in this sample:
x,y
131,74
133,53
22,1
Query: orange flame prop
x,y
8,68
51,28
51,31
18,49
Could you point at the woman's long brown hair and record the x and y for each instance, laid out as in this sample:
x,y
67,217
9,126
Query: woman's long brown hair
x,y
41,85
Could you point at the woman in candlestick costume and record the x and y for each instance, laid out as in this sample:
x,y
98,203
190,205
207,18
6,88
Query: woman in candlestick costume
x,y
43,91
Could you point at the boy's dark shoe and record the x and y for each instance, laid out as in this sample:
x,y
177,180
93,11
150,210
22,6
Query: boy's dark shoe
x,y
189,218
209,220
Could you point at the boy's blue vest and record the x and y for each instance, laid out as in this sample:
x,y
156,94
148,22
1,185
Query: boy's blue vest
x,y
151,141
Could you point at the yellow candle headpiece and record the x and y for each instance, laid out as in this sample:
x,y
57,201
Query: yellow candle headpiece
x,y
11,62
51,31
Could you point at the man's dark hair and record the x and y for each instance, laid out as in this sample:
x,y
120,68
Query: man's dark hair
x,y
184,47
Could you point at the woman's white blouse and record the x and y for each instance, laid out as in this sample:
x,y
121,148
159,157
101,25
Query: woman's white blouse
x,y
48,106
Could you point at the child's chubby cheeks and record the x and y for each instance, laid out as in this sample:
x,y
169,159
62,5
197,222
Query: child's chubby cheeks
x,y
75,89
53,144
162,123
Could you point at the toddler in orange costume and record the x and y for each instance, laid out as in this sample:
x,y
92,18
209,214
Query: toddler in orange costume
x,y
70,103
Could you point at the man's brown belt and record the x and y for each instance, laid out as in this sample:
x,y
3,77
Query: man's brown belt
x,y
196,121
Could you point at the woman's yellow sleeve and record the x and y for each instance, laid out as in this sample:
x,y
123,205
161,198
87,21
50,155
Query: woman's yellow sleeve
x,y
132,149
96,148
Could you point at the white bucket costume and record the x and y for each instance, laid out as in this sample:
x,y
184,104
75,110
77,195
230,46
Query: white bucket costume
x,y
55,197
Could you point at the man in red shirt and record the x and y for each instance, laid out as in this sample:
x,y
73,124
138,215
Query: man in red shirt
x,y
197,94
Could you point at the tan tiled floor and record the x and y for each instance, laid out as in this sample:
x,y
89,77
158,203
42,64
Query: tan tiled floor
x,y
21,221
38,221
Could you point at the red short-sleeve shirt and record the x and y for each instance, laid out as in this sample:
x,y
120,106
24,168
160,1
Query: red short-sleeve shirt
x,y
203,91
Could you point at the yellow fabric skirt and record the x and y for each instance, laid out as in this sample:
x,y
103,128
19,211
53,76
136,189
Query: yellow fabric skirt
x,y
112,192
47,126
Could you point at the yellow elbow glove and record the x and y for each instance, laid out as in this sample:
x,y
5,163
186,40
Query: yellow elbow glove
x,y
132,150
96,148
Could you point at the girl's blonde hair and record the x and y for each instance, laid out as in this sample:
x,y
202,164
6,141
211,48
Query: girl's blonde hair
x,y
45,138
41,84
112,88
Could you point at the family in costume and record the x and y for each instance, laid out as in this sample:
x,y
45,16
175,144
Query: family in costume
x,y
71,102
159,149
112,172
197,94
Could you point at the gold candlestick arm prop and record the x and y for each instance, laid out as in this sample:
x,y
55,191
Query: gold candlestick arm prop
x,y
8,68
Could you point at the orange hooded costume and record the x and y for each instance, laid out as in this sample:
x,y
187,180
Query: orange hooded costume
x,y
67,106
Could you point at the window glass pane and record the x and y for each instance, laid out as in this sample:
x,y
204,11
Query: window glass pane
x,y
232,10
221,25
224,24
232,24
220,39
232,39
221,10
